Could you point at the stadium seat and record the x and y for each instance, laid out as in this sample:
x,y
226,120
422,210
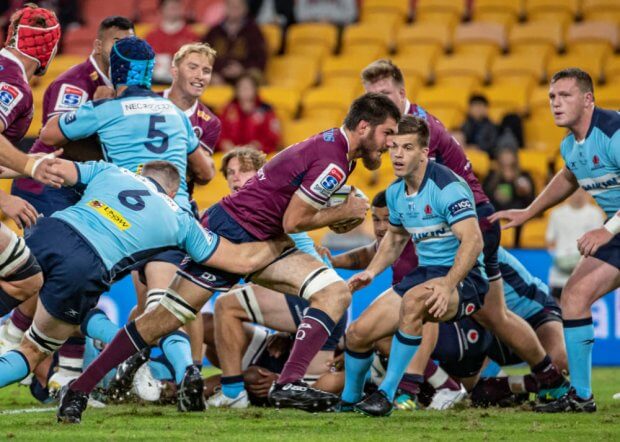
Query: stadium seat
x,y
506,98
61,64
593,39
508,238
295,71
420,66
393,20
142,29
347,67
558,163
480,162
400,7
216,97
608,96
505,12
480,38
536,163
285,101
552,11
326,100
514,68
462,66
611,70
448,12
451,116
605,10
539,101
439,96
591,64
294,131
304,35
533,234
424,34
373,33
539,37
273,37
413,85
541,134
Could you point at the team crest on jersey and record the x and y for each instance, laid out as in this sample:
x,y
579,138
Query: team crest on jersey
x,y
69,98
329,181
469,309
110,214
202,114
596,163
10,96
473,336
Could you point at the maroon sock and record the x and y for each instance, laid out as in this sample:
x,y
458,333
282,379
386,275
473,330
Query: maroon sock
x,y
315,328
411,383
20,320
71,354
439,379
126,343
547,375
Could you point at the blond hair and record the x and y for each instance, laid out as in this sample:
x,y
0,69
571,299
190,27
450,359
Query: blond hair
x,y
194,48
249,159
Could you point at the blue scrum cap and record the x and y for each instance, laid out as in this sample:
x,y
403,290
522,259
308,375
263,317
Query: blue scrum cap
x,y
131,62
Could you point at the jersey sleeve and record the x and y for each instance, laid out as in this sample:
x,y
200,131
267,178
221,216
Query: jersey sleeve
x,y
456,202
391,196
211,135
62,97
198,242
193,141
80,123
614,149
13,103
88,170
321,180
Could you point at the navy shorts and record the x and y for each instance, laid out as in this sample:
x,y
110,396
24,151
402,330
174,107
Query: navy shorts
x,y
218,221
491,235
610,252
550,312
46,200
298,306
462,347
471,290
74,274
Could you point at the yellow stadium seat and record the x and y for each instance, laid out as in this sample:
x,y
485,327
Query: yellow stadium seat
x,y
424,34
439,11
503,69
216,97
450,116
612,69
538,37
480,37
508,238
303,35
273,37
400,7
606,10
505,12
558,163
593,39
393,20
539,101
362,34
61,64
142,29
541,134
348,67
536,163
460,66
433,97
608,96
295,71
552,11
326,100
533,234
505,98
592,65
295,131
480,162
284,100
420,66
413,85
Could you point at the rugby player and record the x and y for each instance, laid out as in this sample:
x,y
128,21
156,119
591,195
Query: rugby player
x,y
591,153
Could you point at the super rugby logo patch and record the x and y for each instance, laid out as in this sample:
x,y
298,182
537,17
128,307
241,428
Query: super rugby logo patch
x,y
329,181
10,96
110,214
69,98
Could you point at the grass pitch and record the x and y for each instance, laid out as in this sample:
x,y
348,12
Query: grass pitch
x,y
157,423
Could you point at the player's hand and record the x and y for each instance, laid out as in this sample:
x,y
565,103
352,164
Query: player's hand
x,y
337,363
591,241
515,217
278,344
45,170
18,210
346,225
323,252
104,92
437,302
359,280
355,206
259,380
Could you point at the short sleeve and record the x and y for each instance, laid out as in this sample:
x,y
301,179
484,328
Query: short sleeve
x,y
456,202
211,134
80,123
321,180
198,242
193,141
614,149
13,102
87,171
63,97
391,196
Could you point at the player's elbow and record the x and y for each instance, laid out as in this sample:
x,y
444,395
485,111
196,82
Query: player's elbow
x,y
291,225
51,135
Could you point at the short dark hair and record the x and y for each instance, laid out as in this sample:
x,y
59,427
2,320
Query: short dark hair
x,y
379,200
478,99
164,172
584,81
115,21
372,108
380,69
410,124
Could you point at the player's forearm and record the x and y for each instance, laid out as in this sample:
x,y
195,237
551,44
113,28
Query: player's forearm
x,y
260,254
13,158
320,218
355,259
465,259
561,187
389,250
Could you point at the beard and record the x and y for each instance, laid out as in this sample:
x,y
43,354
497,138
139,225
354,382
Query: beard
x,y
370,156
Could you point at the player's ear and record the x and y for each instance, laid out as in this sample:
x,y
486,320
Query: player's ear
x,y
174,71
363,127
97,46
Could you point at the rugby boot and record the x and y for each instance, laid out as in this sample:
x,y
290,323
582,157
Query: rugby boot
x,y
72,405
445,398
343,407
220,400
300,395
570,402
120,386
190,395
376,405
406,401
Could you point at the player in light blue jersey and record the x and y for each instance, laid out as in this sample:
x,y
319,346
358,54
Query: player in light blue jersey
x,y
591,153
121,219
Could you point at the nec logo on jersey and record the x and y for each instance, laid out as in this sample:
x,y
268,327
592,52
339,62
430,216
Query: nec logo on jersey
x,y
9,97
460,206
330,180
69,98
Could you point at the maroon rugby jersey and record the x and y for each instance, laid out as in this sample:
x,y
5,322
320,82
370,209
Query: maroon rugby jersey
x,y
406,262
444,149
313,169
16,107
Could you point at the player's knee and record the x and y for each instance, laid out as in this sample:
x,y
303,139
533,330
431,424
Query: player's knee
x,y
357,335
25,288
413,307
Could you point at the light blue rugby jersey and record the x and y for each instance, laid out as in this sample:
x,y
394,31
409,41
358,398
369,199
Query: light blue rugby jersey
x,y
444,198
525,294
126,218
595,162
135,128
305,244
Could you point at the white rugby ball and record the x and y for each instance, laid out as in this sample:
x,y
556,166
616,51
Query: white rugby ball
x,y
341,194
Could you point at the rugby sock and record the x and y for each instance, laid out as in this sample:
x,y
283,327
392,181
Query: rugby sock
x,y
521,384
71,355
13,367
579,336
312,333
547,375
20,320
491,370
356,366
98,326
232,386
410,383
7,302
438,378
161,368
178,351
404,347
126,343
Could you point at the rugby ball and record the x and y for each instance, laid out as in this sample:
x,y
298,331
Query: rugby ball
x,y
341,194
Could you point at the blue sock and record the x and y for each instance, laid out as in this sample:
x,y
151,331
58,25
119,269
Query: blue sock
x,y
404,347
178,351
232,386
161,369
491,370
98,326
13,367
356,366
579,336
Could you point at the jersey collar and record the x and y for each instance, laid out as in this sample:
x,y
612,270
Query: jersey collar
x,y
344,134
103,76
15,60
189,112
408,106
156,184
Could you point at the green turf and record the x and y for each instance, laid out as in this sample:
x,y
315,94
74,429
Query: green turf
x,y
157,423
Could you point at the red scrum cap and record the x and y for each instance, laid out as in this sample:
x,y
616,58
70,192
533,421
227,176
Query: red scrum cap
x,y
34,32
